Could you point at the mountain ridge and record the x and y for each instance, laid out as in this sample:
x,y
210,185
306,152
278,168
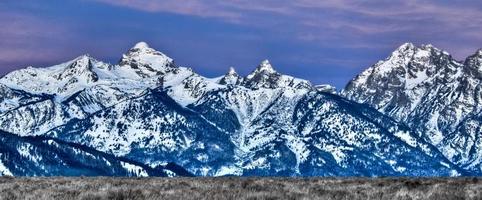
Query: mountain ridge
x,y
150,110
430,92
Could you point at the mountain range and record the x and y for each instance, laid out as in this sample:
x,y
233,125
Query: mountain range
x,y
416,113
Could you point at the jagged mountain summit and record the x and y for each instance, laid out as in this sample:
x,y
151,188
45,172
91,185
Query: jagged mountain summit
x,y
231,78
435,95
160,116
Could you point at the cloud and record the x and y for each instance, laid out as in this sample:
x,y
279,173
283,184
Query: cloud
x,y
197,8
349,34
25,38
360,23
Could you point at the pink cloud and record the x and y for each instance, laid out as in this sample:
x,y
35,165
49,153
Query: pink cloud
x,y
351,22
186,7
24,38
312,11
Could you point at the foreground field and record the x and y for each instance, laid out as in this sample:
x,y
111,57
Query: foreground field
x,y
238,188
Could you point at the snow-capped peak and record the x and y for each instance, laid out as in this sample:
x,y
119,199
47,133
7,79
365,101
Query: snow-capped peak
x,y
232,71
479,52
406,46
410,59
141,45
404,50
84,57
265,66
409,49
82,61
474,63
230,78
432,49
264,76
81,67
428,46
146,61
407,67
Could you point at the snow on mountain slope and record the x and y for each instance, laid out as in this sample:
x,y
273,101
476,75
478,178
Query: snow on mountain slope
x,y
246,127
153,112
266,130
357,136
463,143
34,118
11,99
64,79
426,89
152,129
83,86
252,95
320,134
47,157
398,84
139,68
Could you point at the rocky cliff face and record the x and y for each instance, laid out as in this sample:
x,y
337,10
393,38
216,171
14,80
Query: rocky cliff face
x,y
427,90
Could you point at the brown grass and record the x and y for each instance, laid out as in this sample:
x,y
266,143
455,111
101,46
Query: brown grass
x,y
238,188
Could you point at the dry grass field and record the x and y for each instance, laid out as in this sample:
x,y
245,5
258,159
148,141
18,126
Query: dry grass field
x,y
238,188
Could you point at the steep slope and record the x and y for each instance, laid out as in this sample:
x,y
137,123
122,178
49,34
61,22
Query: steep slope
x,y
11,99
155,130
324,135
282,129
36,100
63,80
256,126
48,157
248,97
426,89
152,112
360,138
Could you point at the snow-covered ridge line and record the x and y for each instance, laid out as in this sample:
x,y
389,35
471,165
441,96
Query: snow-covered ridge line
x,y
140,67
148,109
84,86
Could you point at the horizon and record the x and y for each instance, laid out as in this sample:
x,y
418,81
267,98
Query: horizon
x,y
323,42
228,68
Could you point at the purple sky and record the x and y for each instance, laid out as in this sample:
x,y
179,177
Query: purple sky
x,y
326,41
